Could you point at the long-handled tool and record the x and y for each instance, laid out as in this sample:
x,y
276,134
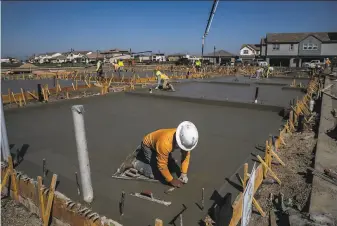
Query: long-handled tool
x,y
149,196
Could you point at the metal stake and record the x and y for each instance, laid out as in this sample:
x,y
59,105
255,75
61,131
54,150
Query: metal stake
x,y
121,204
44,168
77,184
181,219
202,198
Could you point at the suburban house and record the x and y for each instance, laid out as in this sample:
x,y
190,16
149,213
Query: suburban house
x,y
116,54
58,59
93,57
293,49
76,56
250,51
9,60
220,57
142,57
44,57
175,57
158,57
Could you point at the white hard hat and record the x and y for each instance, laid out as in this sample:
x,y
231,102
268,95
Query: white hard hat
x,y
187,136
158,73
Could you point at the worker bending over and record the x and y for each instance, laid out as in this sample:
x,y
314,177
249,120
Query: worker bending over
x,y
157,147
198,65
99,69
163,81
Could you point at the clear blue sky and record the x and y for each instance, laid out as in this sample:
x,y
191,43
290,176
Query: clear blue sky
x,y
165,26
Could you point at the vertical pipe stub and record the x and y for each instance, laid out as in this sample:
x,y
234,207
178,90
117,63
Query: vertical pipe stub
x,y
256,94
82,153
4,139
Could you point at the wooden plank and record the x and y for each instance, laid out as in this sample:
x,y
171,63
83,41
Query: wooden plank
x,y
268,169
46,215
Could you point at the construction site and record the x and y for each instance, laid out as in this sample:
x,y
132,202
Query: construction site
x,y
265,152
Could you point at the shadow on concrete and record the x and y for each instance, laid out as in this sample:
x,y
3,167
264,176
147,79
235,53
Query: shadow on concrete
x,y
234,184
19,154
175,219
332,133
221,211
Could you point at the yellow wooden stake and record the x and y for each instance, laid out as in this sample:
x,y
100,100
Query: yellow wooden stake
x,y
10,173
14,98
245,175
23,96
50,200
159,222
268,169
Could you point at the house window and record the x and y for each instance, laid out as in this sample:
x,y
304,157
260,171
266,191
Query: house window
x,y
276,46
314,46
291,46
305,46
309,46
245,51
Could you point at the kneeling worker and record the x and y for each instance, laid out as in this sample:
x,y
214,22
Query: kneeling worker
x,y
163,82
156,149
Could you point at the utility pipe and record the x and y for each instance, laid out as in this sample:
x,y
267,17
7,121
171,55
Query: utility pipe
x,y
82,153
4,139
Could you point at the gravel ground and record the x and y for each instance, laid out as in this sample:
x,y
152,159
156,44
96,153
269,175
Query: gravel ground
x,y
13,214
298,154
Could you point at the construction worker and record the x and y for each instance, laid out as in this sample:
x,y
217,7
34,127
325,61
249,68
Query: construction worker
x,y
154,157
327,63
198,65
121,65
163,81
99,69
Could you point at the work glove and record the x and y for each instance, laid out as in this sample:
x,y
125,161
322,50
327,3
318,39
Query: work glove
x,y
156,87
176,183
183,178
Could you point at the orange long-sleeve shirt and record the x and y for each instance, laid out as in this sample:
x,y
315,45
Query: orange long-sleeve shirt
x,y
162,142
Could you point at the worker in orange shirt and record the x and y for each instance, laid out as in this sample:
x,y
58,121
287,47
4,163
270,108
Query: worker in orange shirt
x,y
156,149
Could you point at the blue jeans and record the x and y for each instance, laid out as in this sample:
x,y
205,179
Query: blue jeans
x,y
146,164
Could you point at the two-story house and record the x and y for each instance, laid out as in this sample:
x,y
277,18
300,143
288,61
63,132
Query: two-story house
x,y
250,51
293,49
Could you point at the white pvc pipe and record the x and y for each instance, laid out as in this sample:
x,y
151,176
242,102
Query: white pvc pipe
x,y
82,153
4,139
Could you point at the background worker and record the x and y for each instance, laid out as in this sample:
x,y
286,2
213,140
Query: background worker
x,y
99,69
120,67
198,65
163,81
156,148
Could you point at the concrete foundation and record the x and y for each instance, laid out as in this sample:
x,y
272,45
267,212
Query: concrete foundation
x,y
117,123
115,126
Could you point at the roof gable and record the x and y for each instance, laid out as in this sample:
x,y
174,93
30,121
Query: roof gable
x,y
297,37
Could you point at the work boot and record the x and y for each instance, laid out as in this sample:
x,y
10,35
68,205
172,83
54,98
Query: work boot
x,y
129,163
172,88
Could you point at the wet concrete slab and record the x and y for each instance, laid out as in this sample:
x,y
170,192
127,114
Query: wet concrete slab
x,y
115,126
268,95
283,81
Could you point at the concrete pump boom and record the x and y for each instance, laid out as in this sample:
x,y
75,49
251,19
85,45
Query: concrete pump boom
x,y
209,22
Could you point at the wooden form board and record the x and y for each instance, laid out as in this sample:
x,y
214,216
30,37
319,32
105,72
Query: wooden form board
x,y
237,205
63,208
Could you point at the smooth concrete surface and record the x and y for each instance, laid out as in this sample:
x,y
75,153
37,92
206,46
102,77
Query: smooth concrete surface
x,y
324,194
268,95
115,126
271,80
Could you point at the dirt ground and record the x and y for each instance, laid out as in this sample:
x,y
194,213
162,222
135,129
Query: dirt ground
x,y
13,214
298,154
